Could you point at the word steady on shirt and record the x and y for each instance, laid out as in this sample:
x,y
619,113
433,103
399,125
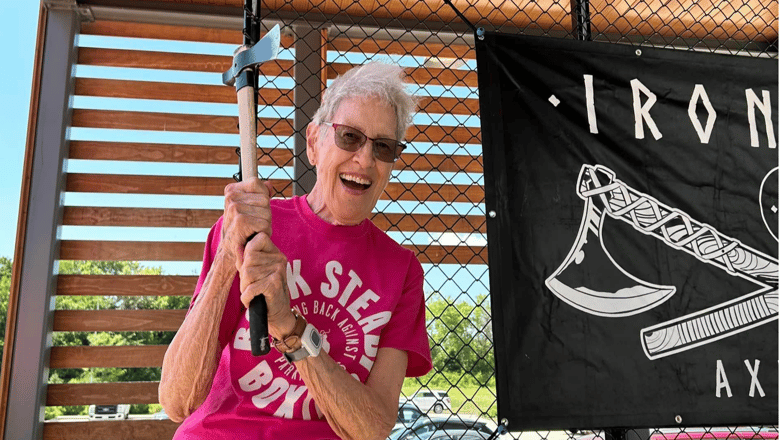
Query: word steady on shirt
x,y
358,287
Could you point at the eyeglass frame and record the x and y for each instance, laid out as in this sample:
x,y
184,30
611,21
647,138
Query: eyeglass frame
x,y
398,143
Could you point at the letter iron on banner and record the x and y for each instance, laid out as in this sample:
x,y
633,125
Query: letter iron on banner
x,y
243,74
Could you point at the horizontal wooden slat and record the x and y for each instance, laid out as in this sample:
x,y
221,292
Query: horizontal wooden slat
x,y
440,162
454,106
126,120
187,251
114,88
214,186
130,250
747,20
169,32
546,14
126,285
141,59
431,47
136,184
137,356
439,134
101,393
117,320
421,75
192,218
429,223
94,150
143,217
110,430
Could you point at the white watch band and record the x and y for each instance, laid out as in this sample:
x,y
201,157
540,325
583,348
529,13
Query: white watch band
x,y
311,342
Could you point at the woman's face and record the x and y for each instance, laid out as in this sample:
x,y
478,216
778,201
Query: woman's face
x,y
349,184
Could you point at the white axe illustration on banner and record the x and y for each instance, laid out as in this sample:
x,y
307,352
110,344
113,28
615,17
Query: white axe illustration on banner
x,y
622,294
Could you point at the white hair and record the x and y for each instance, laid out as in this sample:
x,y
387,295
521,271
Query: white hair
x,y
371,80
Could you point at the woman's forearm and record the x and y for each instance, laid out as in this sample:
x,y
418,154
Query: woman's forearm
x,y
355,410
192,357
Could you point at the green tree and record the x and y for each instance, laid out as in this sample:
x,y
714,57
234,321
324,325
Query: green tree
x,y
89,302
6,267
462,339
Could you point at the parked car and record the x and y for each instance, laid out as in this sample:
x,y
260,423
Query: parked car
x,y
109,412
408,414
428,428
435,400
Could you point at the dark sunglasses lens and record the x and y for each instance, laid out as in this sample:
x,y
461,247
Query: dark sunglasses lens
x,y
386,149
349,139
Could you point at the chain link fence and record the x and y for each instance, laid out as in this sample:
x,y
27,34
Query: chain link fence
x,y
436,196
433,205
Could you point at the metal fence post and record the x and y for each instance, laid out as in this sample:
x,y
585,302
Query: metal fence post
x,y
40,250
308,90
580,18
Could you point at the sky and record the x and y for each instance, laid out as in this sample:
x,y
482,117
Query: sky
x,y
18,51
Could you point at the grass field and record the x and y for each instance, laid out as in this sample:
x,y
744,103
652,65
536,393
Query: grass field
x,y
472,400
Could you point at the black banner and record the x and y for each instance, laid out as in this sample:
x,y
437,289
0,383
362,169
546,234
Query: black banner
x,y
632,235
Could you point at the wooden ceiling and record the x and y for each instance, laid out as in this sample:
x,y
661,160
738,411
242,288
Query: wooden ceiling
x,y
743,20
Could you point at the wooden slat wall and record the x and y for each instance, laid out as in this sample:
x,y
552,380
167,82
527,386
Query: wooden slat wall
x,y
110,181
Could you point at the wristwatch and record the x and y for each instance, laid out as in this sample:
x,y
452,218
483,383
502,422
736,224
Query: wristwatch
x,y
304,340
311,342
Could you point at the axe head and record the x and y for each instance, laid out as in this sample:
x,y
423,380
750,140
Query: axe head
x,y
264,50
592,281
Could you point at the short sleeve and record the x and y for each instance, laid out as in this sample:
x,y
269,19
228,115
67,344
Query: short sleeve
x,y
406,330
233,306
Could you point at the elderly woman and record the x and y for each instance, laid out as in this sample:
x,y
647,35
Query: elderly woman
x,y
346,311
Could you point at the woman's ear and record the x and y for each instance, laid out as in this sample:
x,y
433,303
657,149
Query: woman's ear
x,y
312,137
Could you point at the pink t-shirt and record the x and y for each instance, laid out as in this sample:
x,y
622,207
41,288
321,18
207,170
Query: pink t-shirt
x,y
358,287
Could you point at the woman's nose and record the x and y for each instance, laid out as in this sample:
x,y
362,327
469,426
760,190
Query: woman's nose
x,y
365,155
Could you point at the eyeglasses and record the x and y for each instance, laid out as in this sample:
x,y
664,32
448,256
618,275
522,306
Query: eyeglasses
x,y
351,139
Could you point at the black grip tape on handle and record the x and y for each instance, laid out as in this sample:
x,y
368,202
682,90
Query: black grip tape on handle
x,y
258,326
258,323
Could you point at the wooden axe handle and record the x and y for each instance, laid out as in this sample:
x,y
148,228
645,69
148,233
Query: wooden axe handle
x,y
674,227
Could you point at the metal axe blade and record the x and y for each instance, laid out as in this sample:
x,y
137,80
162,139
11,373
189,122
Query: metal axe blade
x,y
264,50
589,278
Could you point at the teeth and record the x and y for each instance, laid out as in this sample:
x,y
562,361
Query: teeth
x,y
355,179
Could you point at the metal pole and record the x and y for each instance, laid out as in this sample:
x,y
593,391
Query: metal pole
x,y
580,17
32,338
309,64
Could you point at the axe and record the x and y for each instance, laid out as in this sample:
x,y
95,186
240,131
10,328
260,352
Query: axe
x,y
606,195
243,74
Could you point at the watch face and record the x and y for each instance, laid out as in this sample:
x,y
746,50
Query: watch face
x,y
315,338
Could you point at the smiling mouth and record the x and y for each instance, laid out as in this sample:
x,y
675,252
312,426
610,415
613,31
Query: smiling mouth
x,y
354,182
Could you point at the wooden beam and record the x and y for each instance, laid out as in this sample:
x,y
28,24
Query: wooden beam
x,y
141,59
134,356
97,150
426,48
102,393
126,285
186,251
127,120
137,184
192,218
118,320
110,430
214,186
